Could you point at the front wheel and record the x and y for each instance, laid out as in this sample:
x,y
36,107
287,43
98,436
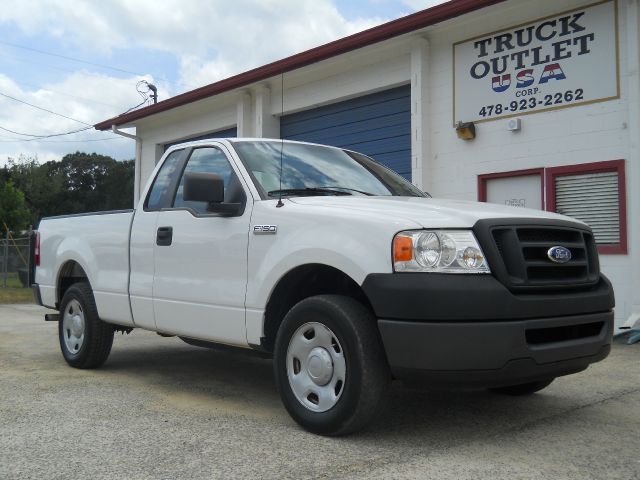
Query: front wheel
x,y
85,340
330,365
523,388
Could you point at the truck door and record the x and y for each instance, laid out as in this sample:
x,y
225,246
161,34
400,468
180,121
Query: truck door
x,y
143,239
200,258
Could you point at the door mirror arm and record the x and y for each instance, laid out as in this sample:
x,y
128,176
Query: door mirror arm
x,y
225,209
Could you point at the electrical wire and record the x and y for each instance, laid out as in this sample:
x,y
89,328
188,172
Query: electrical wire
x,y
35,137
66,94
116,69
134,107
145,97
32,63
45,110
46,136
20,140
84,72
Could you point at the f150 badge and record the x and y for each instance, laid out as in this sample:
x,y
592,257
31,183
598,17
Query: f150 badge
x,y
265,229
559,254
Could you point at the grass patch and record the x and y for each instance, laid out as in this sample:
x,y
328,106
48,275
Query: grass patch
x,y
14,292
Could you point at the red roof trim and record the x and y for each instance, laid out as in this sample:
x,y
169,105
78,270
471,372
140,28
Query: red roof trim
x,y
415,21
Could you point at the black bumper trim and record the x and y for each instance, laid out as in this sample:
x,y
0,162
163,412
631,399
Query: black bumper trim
x,y
490,353
479,297
515,372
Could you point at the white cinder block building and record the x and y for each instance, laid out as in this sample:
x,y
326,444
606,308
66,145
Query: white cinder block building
x,y
551,88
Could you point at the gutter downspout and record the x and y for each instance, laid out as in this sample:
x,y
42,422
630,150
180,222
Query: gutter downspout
x,y
138,161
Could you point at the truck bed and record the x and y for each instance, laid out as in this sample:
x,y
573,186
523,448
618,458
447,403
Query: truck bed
x,y
99,243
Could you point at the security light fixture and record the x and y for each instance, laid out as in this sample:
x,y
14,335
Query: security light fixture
x,y
466,130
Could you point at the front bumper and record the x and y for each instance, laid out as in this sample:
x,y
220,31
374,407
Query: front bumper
x,y
489,354
470,331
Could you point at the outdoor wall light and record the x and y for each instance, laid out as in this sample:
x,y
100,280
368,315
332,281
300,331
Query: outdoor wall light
x,y
466,130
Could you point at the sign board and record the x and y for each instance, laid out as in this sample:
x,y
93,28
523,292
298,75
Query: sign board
x,y
554,62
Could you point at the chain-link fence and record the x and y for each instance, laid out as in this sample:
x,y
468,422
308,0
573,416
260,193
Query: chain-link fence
x,y
14,260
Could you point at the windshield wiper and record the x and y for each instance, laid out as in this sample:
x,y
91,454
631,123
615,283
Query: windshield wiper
x,y
309,191
349,189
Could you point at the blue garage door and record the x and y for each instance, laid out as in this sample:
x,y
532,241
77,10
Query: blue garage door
x,y
378,125
229,133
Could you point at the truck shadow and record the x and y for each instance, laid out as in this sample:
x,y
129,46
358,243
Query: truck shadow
x,y
200,380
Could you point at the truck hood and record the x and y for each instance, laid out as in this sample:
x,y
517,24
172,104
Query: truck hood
x,y
427,212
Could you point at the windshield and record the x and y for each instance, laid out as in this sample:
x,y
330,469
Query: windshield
x,y
316,170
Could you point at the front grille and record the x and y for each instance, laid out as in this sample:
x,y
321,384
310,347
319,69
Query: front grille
x,y
517,255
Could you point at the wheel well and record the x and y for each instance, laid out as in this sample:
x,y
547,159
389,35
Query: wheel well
x,y
300,283
70,273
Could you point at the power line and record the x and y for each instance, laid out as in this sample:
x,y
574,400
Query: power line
x,y
44,109
66,94
70,58
36,137
48,135
46,65
18,140
31,62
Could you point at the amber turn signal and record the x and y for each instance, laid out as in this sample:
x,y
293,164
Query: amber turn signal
x,y
402,249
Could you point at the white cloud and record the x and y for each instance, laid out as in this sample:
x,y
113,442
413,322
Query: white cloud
x,y
211,40
223,37
422,4
72,97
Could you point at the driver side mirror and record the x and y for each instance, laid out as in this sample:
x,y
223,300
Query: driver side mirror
x,y
209,188
203,187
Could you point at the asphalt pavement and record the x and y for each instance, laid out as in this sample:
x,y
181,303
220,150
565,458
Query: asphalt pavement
x,y
160,408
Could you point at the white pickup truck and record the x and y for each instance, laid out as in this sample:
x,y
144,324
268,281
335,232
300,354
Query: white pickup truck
x,y
344,272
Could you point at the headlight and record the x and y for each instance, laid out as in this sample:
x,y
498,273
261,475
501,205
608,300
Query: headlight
x,y
445,251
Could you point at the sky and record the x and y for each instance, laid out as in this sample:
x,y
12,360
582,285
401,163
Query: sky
x,y
78,62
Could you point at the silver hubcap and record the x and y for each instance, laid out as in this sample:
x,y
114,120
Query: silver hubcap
x,y
73,326
316,367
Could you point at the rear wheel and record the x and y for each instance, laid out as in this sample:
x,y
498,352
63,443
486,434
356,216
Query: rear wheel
x,y
523,389
85,340
330,365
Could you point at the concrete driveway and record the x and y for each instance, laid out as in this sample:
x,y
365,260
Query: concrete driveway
x,y
162,409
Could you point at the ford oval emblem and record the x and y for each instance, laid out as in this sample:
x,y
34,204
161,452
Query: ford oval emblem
x,y
559,254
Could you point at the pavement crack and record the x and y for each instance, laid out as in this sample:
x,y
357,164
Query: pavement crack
x,y
563,413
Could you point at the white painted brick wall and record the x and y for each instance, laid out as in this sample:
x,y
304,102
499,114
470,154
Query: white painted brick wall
x,y
582,134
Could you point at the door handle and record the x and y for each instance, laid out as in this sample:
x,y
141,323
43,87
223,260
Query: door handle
x,y
164,236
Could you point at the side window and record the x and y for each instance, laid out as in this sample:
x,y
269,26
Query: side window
x,y
163,180
204,160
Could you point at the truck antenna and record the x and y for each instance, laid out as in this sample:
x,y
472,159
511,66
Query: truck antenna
x,y
280,204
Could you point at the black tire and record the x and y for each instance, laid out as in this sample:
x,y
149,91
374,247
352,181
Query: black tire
x,y
523,389
98,335
367,381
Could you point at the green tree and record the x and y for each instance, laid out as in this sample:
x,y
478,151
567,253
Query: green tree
x,y
91,183
80,182
118,186
13,211
41,191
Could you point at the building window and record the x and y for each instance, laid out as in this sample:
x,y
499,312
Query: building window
x,y
521,188
592,192
595,194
